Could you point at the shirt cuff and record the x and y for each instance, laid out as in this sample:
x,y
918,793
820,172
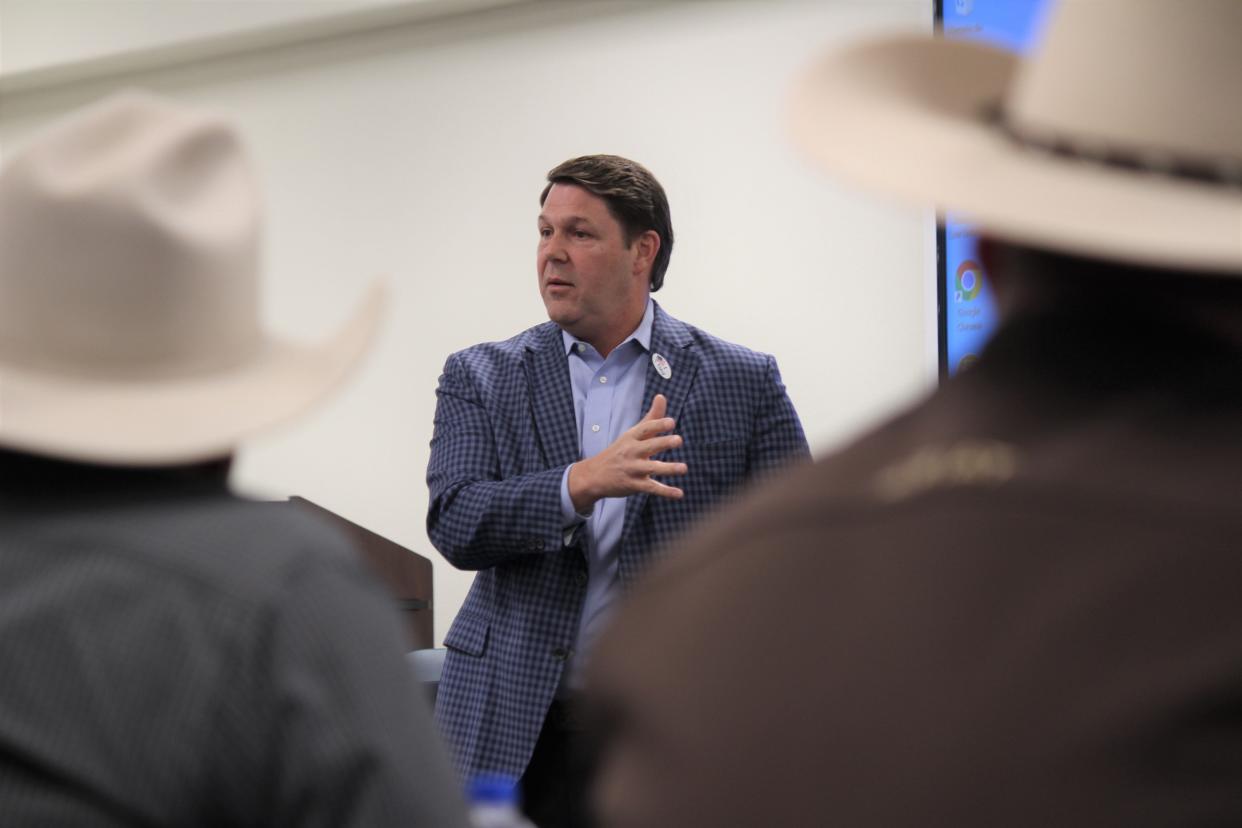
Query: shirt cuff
x,y
569,517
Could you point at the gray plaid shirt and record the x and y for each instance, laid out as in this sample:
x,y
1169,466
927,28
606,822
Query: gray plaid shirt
x,y
177,656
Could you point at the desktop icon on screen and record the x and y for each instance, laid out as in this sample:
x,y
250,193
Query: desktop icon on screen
x,y
966,282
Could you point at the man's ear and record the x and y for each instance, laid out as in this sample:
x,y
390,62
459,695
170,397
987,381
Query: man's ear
x,y
647,246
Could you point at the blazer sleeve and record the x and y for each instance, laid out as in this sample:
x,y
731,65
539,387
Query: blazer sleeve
x,y
777,438
476,518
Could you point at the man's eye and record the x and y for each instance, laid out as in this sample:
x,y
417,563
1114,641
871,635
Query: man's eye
x,y
581,234
544,232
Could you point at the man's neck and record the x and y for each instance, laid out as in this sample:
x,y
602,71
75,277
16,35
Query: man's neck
x,y
29,474
605,342
606,346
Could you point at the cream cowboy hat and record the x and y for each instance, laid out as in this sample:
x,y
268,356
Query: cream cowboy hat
x,y
129,293
1119,137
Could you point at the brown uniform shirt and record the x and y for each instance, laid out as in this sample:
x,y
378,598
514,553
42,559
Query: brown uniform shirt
x,y
1019,604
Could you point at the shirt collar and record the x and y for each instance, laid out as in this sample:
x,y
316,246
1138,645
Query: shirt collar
x,y
641,334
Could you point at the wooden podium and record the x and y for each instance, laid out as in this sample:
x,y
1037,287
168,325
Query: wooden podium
x,y
407,573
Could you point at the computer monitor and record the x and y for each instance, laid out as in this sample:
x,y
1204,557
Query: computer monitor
x,y
966,311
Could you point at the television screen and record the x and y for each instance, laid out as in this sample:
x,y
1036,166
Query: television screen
x,y
967,312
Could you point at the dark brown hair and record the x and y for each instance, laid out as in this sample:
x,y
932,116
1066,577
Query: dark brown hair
x,y
634,198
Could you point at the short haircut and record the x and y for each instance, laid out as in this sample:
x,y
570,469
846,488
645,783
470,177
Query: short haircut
x,y
634,198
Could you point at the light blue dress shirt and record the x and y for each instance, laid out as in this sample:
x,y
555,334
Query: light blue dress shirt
x,y
608,398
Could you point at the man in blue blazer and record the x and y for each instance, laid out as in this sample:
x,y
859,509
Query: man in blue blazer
x,y
553,466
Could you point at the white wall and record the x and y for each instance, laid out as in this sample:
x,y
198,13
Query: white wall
x,y
417,153
41,34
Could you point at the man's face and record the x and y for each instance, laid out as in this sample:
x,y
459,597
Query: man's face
x,y
593,284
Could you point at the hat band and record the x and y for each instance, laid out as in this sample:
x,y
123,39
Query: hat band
x,y
1225,172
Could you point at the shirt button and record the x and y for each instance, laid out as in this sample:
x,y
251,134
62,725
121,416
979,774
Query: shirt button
x,y
581,347
603,379
595,428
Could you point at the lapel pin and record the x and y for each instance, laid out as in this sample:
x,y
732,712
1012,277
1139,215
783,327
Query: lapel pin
x,y
661,365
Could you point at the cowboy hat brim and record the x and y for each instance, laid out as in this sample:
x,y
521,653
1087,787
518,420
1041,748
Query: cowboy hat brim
x,y
910,116
182,419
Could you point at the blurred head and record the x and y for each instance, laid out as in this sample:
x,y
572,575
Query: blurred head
x,y
1026,278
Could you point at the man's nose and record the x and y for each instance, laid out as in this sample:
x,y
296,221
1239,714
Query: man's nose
x,y
554,248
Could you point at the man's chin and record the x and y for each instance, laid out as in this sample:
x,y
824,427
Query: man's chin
x,y
560,313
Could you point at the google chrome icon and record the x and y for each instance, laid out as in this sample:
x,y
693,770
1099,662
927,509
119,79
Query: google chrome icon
x,y
967,281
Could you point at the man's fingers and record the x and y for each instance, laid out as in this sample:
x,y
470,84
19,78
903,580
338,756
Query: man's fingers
x,y
650,428
658,406
657,445
659,489
658,468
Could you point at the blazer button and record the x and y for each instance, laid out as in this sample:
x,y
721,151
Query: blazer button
x,y
561,653
534,544
580,578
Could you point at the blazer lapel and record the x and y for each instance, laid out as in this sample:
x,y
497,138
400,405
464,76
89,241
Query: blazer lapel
x,y
552,401
671,340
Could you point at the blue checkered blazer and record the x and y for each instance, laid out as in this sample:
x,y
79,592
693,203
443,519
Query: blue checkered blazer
x,y
504,432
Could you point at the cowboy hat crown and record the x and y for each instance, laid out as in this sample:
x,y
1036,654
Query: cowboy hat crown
x,y
1118,137
129,293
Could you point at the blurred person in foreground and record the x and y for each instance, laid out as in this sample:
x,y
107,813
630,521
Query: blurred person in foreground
x,y
174,654
1017,603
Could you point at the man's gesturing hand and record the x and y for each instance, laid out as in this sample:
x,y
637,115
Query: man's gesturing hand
x,y
626,467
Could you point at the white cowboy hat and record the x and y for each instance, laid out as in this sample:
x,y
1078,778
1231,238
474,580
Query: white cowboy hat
x,y
1119,137
129,282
